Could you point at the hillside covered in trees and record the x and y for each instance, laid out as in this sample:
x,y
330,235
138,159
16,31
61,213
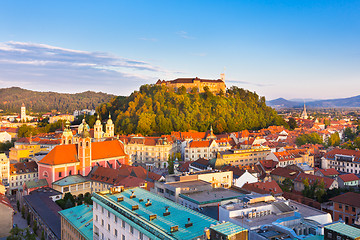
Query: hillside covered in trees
x,y
156,110
11,100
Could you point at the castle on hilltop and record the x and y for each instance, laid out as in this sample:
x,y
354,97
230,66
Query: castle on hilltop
x,y
215,86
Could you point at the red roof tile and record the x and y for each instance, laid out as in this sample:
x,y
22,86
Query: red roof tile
x,y
349,178
329,172
349,198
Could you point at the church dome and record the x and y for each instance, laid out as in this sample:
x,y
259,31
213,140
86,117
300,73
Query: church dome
x,y
98,122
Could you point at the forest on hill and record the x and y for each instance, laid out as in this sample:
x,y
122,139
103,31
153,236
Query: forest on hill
x,y
12,98
155,110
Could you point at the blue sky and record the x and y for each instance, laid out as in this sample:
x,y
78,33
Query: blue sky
x,y
291,49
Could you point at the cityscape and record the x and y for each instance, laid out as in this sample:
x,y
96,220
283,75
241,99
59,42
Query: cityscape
x,y
171,120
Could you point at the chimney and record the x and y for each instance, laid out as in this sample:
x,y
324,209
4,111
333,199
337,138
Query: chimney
x,y
148,203
188,224
166,213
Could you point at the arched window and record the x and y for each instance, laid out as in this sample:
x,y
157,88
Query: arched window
x,y
87,144
80,144
70,172
45,174
69,141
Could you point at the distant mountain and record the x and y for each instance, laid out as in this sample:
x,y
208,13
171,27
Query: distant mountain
x,y
350,102
283,103
12,98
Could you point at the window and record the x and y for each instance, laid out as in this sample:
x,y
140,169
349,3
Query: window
x,y
346,208
123,224
102,222
340,206
141,236
96,218
115,232
108,214
353,209
108,227
131,229
59,174
115,219
123,237
70,172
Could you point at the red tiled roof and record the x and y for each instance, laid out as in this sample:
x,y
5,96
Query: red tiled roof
x,y
269,187
106,149
347,152
4,200
312,179
329,172
199,144
184,167
349,198
62,154
23,167
349,178
285,172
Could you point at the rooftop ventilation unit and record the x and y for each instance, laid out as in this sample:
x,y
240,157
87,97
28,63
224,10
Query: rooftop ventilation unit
x,y
174,229
135,207
152,217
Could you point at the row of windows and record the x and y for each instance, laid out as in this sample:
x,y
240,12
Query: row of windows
x,y
25,176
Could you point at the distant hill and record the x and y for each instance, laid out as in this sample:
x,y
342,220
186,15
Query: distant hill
x,y
12,98
283,103
350,102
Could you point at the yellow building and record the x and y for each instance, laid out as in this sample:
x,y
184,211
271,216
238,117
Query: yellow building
x,y
149,151
23,151
215,86
240,157
66,117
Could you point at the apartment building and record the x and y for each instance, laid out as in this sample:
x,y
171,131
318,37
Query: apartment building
x,y
20,173
149,152
346,207
241,157
139,214
343,160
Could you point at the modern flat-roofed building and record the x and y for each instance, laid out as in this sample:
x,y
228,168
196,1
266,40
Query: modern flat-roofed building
x,y
140,214
74,184
341,231
259,211
77,223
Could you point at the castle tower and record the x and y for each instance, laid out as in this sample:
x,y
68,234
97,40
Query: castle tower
x,y
23,113
84,149
98,129
109,127
222,76
67,136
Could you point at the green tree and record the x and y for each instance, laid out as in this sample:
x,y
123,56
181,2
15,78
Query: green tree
x,y
18,205
26,131
28,219
35,226
171,161
15,234
42,235
349,134
334,139
23,212
292,123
